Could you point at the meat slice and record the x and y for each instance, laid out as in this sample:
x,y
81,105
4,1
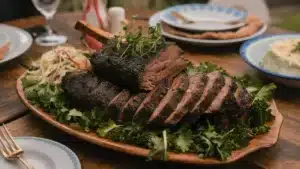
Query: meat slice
x,y
116,104
170,100
214,84
131,106
195,89
150,103
243,98
226,93
136,73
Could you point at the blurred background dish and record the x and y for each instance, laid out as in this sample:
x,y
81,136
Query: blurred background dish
x,y
155,19
206,17
19,41
254,52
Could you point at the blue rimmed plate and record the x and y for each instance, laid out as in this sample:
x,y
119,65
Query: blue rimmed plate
x,y
253,52
155,19
43,154
203,13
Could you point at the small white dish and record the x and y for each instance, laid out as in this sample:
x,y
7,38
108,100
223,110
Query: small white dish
x,y
155,19
19,40
203,13
253,52
43,154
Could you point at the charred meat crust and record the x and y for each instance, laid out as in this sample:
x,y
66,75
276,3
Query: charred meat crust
x,y
195,89
138,73
116,104
243,98
170,100
131,106
122,71
86,91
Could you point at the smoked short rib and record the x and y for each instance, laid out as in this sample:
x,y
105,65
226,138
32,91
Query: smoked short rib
x,y
138,73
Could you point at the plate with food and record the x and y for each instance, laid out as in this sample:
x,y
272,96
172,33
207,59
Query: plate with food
x,y
203,17
253,28
277,56
14,43
151,103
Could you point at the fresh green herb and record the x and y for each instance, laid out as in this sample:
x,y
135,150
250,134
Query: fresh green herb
x,y
297,48
135,44
265,93
205,67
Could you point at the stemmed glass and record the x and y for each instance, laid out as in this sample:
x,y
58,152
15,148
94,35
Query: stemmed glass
x,y
48,8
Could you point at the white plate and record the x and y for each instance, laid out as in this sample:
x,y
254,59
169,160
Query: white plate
x,y
19,40
3,39
155,19
43,154
253,52
203,13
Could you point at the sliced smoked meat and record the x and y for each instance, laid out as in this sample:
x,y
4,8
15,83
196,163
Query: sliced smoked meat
x,y
170,100
225,93
214,84
131,106
136,72
243,98
116,104
150,103
195,89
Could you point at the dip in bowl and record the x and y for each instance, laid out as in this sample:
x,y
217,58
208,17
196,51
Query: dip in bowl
x,y
276,56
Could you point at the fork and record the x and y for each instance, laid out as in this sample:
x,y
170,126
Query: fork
x,y
10,150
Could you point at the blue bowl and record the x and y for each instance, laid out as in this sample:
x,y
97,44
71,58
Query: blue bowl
x,y
253,52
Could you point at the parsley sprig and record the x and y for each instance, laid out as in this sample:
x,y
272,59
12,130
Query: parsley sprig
x,y
135,44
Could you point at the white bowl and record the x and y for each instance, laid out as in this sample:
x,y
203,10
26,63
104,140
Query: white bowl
x,y
253,52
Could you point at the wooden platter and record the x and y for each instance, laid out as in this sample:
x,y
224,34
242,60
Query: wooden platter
x,y
259,142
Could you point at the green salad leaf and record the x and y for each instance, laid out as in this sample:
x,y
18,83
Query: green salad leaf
x,y
265,93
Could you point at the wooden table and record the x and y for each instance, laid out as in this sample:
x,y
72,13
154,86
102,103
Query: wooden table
x,y
286,154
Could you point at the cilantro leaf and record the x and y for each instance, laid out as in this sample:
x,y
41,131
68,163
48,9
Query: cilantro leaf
x,y
184,141
106,128
265,93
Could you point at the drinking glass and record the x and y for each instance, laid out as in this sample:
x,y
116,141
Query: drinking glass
x,y
48,8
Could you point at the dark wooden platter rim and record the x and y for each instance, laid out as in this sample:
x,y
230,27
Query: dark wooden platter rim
x,y
259,142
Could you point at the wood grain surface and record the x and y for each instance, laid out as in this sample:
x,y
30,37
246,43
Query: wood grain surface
x,y
286,153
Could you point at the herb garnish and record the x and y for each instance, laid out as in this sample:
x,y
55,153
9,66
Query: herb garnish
x,y
135,44
297,48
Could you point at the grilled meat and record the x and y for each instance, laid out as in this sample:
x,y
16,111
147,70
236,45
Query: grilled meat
x,y
150,103
137,73
131,106
116,104
86,91
170,100
191,96
182,99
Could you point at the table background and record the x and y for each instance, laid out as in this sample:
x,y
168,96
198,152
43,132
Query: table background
x,y
286,153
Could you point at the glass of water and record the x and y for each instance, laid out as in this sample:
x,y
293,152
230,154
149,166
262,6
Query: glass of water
x,y
48,8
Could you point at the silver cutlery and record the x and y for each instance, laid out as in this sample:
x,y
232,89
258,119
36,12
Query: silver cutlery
x,y
10,150
189,21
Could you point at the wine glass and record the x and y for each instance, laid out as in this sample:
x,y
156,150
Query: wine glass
x,y
48,8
